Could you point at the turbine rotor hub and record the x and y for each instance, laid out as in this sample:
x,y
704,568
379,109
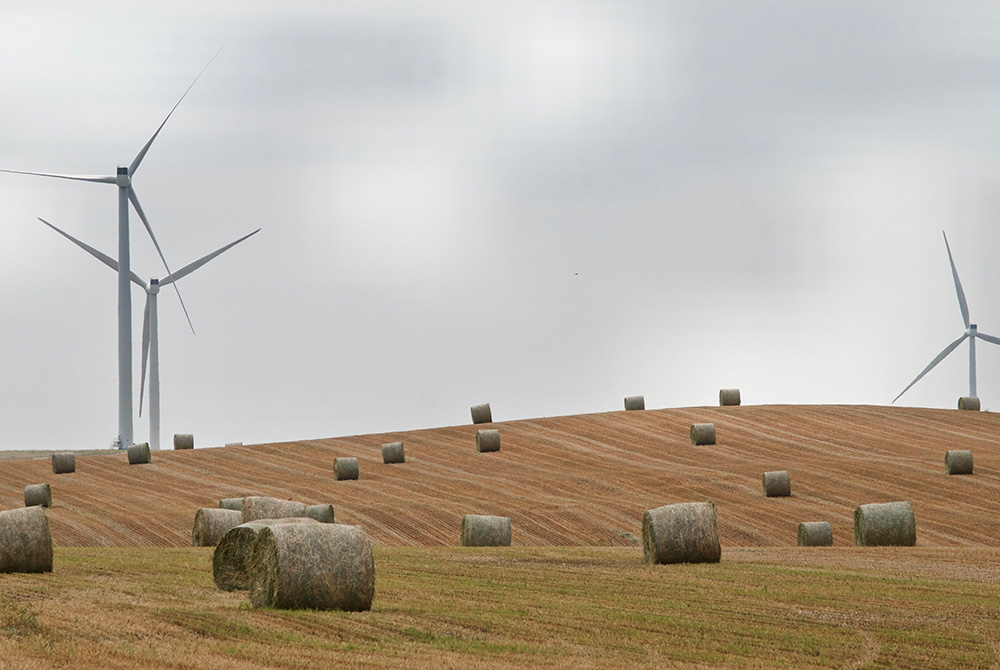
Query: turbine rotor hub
x,y
122,178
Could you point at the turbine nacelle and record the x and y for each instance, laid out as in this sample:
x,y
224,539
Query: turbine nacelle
x,y
122,179
154,287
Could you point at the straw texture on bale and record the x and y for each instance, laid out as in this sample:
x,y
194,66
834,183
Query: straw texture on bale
x,y
63,462
480,530
323,566
211,523
25,541
681,533
958,462
393,453
635,402
345,468
321,513
38,494
183,441
260,507
729,397
488,440
232,503
138,454
482,413
969,403
885,525
777,484
232,554
703,433
815,534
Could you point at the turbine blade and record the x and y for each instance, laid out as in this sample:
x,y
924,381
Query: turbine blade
x,y
958,284
988,338
940,357
142,152
149,229
101,179
145,352
104,258
191,267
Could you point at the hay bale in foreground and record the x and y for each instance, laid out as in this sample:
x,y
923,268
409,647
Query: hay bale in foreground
x,y
211,523
393,453
261,507
958,462
323,566
681,533
138,454
702,433
232,503
729,397
777,484
480,530
25,541
183,441
63,462
885,525
482,413
321,513
815,534
345,468
488,440
971,404
635,402
232,553
38,494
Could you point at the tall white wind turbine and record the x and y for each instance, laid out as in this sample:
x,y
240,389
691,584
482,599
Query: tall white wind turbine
x,y
150,329
126,194
970,334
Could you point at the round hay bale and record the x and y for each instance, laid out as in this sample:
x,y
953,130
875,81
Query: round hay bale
x,y
635,402
777,484
702,433
234,444
681,533
971,404
393,453
38,494
25,541
487,440
63,462
482,413
958,462
321,513
138,454
211,523
232,503
260,507
480,530
885,525
729,397
183,441
323,566
232,553
345,468
815,534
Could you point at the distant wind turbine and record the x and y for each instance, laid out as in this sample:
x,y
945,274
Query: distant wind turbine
x,y
971,333
150,335
126,194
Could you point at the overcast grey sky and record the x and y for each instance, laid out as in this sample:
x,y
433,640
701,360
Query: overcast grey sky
x,y
543,205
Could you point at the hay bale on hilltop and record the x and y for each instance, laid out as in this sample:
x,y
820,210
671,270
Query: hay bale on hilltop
x,y
634,403
702,433
392,452
139,454
487,440
211,523
480,530
25,541
885,525
681,533
958,462
777,484
815,534
63,462
183,441
261,507
38,494
233,551
323,566
971,404
482,413
232,503
729,397
345,468
321,513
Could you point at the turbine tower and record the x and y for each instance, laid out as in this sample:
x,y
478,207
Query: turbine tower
x,y
126,194
971,333
150,334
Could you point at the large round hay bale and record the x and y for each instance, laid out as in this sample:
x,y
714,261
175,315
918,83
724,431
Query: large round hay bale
x,y
232,553
345,468
729,397
703,433
63,462
482,413
260,507
815,534
25,541
321,513
777,484
183,441
38,494
958,462
138,454
487,440
323,566
232,503
635,402
968,403
681,533
211,523
885,525
393,453
480,530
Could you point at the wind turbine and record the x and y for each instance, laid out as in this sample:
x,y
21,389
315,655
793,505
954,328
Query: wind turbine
x,y
150,336
971,333
126,194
